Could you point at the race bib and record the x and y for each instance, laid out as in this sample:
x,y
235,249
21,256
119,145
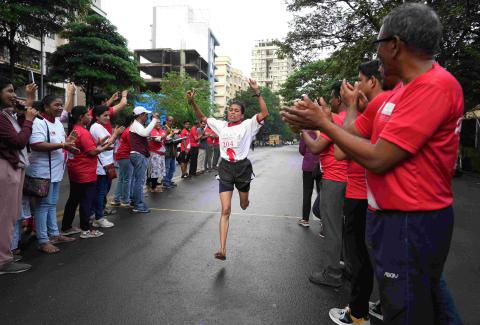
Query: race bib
x,y
230,142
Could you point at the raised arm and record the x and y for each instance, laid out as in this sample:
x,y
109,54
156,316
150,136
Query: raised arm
x,y
196,109
122,104
263,107
71,89
31,90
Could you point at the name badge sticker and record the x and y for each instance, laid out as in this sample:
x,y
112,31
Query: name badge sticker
x,y
388,109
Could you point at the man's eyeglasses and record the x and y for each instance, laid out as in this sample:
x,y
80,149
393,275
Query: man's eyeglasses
x,y
377,42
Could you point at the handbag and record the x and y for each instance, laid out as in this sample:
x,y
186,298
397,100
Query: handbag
x,y
36,186
110,171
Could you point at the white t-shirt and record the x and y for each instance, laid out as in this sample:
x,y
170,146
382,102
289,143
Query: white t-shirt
x,y
235,140
99,132
39,160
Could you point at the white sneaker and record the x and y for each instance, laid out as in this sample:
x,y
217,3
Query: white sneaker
x,y
91,234
103,223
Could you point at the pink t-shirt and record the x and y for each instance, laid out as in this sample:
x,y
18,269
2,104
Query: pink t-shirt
x,y
333,169
423,118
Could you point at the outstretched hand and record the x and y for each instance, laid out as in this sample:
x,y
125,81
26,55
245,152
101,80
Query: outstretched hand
x,y
191,95
30,89
308,114
254,86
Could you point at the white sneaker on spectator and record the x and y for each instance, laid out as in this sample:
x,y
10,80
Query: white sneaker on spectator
x,y
91,234
103,223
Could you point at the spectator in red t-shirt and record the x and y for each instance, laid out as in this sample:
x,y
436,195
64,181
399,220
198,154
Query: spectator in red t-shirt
x,y
184,156
211,138
410,160
194,147
82,171
332,194
125,170
156,161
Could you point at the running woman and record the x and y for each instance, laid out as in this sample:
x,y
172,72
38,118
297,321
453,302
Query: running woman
x,y
235,169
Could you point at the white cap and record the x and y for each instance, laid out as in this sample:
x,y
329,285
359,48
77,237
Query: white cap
x,y
140,110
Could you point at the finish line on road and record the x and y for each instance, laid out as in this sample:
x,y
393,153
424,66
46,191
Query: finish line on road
x,y
233,213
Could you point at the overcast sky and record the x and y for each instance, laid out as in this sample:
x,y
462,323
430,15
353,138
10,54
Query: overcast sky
x,y
235,23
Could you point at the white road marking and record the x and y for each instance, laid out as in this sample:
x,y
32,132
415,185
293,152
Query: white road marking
x,y
217,212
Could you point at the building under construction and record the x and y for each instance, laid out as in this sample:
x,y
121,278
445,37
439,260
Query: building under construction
x,y
155,63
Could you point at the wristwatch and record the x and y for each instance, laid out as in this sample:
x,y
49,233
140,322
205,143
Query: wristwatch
x,y
257,95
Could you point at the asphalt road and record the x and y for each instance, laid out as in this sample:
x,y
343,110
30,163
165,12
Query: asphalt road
x,y
158,268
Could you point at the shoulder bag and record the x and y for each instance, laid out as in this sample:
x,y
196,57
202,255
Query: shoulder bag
x,y
36,186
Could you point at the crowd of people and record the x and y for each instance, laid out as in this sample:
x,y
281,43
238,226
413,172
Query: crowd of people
x,y
36,148
386,148
381,156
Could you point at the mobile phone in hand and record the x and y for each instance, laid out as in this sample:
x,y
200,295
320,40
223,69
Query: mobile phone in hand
x,y
31,78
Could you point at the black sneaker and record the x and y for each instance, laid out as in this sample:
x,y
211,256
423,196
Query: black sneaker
x,y
375,310
322,278
17,258
14,267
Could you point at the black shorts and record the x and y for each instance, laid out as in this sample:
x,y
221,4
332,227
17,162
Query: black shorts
x,y
183,157
238,174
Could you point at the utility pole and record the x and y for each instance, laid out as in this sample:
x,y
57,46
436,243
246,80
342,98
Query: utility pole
x,y
42,63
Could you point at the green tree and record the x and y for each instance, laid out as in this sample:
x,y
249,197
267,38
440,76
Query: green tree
x,y
315,79
20,19
274,123
96,57
173,101
348,27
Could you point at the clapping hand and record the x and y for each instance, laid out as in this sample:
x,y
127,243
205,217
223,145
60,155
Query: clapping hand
x,y
307,114
352,96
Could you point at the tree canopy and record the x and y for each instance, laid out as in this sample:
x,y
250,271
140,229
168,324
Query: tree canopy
x,y
20,19
173,101
348,27
96,57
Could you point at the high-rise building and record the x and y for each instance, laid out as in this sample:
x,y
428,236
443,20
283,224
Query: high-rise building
x,y
178,26
267,69
229,82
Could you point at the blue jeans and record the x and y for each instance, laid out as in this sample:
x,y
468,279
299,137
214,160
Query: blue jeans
x,y
17,231
140,164
46,215
169,170
103,185
122,193
408,251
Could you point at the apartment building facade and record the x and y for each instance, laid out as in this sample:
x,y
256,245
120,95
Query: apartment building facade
x,y
269,70
229,82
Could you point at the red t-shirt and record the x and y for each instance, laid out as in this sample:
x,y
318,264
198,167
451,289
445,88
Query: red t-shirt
x,y
185,134
210,140
155,146
423,118
356,177
124,149
333,169
83,168
194,133
108,125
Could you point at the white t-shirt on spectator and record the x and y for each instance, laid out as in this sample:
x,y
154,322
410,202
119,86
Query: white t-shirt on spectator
x,y
99,132
235,140
39,160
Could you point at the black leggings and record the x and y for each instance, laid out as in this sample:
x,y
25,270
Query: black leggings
x,y
308,182
82,194
193,160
